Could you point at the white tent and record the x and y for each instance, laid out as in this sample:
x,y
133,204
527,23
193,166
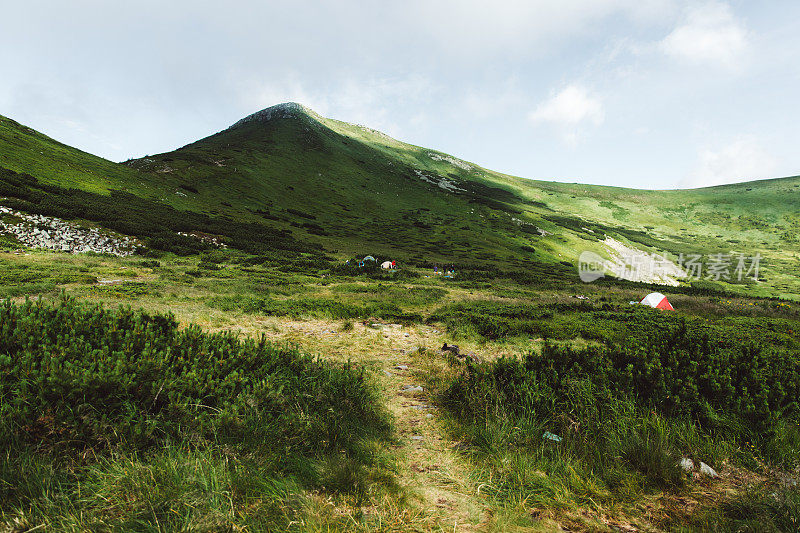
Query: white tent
x,y
386,265
657,300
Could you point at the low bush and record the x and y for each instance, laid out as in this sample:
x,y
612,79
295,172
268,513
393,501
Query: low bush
x,y
76,378
126,289
769,323
628,412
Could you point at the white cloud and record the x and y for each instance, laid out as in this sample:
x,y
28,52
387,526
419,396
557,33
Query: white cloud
x,y
744,159
568,109
471,28
709,34
498,99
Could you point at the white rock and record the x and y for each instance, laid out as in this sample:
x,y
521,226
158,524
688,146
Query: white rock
x,y
686,464
707,470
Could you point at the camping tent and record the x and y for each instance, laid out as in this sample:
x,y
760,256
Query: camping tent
x,y
386,265
368,258
657,301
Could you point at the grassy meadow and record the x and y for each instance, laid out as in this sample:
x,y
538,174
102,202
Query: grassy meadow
x,y
328,347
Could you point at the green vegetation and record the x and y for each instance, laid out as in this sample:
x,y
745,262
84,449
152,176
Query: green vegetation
x,y
630,390
200,410
611,319
24,150
151,419
765,508
154,221
570,426
680,373
313,307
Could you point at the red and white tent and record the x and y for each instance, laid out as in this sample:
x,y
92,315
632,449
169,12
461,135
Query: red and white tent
x,y
657,301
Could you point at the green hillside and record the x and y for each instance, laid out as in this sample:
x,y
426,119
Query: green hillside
x,y
23,149
354,190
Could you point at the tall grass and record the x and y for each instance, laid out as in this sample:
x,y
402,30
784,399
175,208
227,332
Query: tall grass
x,y
761,509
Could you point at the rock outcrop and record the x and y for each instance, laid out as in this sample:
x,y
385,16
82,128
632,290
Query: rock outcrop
x,y
39,231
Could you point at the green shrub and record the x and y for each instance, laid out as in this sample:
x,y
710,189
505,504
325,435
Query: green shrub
x,y
116,420
628,412
78,376
126,289
677,372
23,289
492,320
9,242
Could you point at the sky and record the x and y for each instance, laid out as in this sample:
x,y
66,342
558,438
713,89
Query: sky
x,y
636,93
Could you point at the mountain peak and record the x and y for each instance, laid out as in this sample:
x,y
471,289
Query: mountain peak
x,y
285,110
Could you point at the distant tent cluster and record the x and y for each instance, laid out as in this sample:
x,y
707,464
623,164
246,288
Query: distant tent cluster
x,y
386,265
447,272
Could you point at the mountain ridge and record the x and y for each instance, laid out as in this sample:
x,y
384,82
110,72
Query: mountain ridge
x,y
288,110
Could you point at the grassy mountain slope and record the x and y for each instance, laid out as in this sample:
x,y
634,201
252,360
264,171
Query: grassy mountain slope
x,y
23,149
289,168
353,189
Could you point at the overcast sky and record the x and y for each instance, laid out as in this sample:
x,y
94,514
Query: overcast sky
x,y
637,93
